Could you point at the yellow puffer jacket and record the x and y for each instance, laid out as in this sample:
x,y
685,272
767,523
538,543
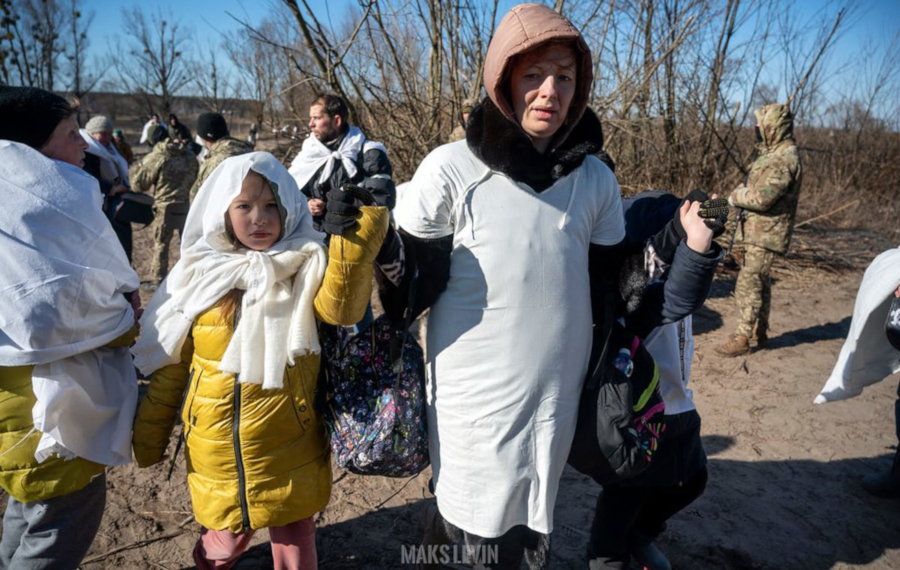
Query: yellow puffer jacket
x,y
256,458
20,474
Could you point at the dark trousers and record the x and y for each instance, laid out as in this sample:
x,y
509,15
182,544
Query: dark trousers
x,y
631,516
123,232
170,218
518,544
54,534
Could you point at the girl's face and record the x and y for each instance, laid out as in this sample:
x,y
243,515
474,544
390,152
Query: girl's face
x,y
543,86
65,143
253,215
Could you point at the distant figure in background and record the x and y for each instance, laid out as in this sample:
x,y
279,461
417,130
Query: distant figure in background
x,y
459,133
219,145
770,198
158,134
145,133
171,169
253,135
178,132
103,162
123,147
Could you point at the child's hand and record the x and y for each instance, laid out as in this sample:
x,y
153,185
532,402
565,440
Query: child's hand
x,y
316,206
699,235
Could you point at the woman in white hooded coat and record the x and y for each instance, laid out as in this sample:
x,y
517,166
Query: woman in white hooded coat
x,y
510,234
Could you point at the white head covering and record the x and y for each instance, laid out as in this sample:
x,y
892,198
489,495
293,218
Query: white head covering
x,y
112,164
277,319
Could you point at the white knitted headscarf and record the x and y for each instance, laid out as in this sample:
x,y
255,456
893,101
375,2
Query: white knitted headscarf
x,y
277,322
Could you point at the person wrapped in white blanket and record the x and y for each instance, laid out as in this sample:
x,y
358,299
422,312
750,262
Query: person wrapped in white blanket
x,y
67,384
867,356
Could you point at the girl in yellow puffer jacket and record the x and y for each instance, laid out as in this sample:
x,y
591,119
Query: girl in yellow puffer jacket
x,y
230,338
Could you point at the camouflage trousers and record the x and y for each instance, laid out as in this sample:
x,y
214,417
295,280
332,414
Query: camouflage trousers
x,y
753,291
170,217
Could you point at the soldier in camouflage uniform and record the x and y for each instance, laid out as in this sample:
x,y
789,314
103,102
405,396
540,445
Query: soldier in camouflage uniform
x,y
213,130
769,198
171,168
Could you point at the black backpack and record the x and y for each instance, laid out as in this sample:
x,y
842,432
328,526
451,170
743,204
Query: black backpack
x,y
620,415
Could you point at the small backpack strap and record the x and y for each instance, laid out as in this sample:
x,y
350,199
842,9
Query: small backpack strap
x,y
397,350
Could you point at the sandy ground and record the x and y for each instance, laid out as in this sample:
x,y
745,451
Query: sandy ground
x,y
783,474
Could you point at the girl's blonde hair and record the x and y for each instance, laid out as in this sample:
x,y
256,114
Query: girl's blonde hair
x,y
228,305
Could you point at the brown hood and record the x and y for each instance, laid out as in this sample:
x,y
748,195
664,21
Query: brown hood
x,y
524,28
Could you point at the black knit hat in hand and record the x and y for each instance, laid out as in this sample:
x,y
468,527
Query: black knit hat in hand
x,y
212,127
29,115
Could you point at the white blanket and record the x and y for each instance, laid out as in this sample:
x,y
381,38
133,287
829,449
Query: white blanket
x,y
62,277
867,357
314,155
112,164
277,319
145,132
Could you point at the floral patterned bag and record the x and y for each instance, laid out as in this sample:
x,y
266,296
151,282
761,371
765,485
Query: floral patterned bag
x,y
375,410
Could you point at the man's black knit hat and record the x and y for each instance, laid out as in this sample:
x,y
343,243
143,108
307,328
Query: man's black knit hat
x,y
29,115
212,127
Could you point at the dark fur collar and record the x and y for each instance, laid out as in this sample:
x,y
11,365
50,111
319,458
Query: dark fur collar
x,y
505,147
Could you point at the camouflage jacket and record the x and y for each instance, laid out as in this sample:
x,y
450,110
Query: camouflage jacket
x,y
772,189
169,167
219,151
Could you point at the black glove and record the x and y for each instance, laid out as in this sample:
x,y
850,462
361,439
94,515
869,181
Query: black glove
x,y
696,195
666,241
713,212
340,212
715,215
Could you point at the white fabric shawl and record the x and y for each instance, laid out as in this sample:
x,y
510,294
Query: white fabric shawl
x,y
113,164
314,155
62,278
277,321
145,132
867,356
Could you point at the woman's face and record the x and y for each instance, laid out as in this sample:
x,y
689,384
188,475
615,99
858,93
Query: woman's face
x,y
253,215
66,143
103,137
543,86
